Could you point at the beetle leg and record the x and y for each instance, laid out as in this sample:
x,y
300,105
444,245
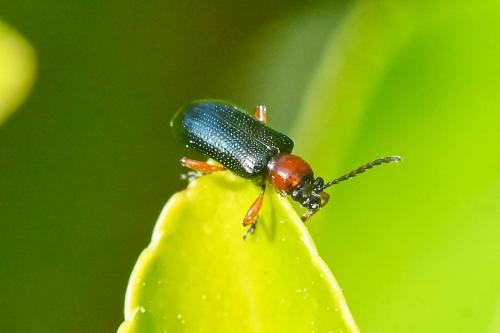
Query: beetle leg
x,y
261,114
251,217
308,214
201,166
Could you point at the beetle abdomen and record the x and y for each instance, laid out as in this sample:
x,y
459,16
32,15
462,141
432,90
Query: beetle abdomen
x,y
230,136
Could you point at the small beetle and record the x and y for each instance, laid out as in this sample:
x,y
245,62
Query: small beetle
x,y
246,146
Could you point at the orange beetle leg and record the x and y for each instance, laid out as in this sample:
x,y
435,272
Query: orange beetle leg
x,y
251,216
201,166
261,114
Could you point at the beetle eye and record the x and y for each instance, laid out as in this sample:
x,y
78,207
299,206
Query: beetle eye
x,y
318,184
296,192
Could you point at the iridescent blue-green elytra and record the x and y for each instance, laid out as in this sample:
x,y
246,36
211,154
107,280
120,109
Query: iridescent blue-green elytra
x,y
224,132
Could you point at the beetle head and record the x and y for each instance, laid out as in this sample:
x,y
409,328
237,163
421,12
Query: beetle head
x,y
309,193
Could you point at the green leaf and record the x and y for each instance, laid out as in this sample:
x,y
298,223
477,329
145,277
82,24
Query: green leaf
x,y
17,68
199,275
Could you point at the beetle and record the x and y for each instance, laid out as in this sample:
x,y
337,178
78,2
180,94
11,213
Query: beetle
x,y
245,145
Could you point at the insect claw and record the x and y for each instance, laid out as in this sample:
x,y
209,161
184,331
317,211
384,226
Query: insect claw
x,y
190,175
307,215
249,231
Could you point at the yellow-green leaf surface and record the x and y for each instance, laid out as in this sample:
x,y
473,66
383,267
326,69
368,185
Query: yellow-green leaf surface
x,y
17,67
199,275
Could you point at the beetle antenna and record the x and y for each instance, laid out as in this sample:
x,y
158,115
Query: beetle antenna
x,y
362,169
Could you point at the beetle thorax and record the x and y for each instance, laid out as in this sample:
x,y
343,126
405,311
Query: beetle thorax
x,y
286,172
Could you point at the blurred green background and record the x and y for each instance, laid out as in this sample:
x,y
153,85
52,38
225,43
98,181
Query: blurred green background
x,y
87,162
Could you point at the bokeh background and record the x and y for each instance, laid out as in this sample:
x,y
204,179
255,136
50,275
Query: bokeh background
x,y
87,162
